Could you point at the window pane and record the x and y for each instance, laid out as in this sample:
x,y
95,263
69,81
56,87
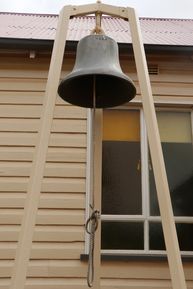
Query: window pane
x,y
185,236
184,232
156,238
121,174
122,235
175,132
121,193
121,125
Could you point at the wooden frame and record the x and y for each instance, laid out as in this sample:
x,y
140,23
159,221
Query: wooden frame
x,y
28,223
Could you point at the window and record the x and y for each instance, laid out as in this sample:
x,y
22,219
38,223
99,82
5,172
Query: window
x,y
131,220
176,137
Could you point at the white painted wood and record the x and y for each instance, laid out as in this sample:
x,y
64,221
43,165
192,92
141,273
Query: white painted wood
x,y
169,230
64,170
63,185
44,217
89,173
45,250
26,84
60,185
30,139
100,7
144,179
25,239
120,271
98,117
173,87
32,125
10,233
21,97
34,111
55,154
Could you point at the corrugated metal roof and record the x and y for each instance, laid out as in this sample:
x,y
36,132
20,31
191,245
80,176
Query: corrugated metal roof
x,y
154,31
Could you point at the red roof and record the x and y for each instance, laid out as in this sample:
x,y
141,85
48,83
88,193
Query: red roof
x,y
154,30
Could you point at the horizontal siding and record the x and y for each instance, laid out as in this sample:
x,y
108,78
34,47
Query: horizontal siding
x,y
172,87
44,217
80,283
58,154
45,250
63,170
49,233
59,233
47,200
73,268
23,97
32,125
30,139
20,84
34,111
59,185
174,77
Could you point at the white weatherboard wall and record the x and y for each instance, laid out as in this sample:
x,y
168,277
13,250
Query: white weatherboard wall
x,y
59,233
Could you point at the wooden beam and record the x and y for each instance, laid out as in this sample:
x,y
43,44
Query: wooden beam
x,y
164,200
97,193
34,188
99,7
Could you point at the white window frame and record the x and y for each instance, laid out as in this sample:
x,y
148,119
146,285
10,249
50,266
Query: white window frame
x,y
170,104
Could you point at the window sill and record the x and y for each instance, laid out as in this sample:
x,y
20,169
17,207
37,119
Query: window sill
x,y
140,257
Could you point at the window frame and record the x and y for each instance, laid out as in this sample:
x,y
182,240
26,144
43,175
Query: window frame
x,y
173,105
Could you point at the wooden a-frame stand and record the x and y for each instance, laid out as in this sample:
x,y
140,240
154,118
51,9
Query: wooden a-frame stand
x,y
36,177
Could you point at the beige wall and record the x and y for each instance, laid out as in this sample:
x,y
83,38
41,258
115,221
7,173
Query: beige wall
x,y
59,234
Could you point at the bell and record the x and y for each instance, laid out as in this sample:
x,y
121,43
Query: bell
x,y
97,79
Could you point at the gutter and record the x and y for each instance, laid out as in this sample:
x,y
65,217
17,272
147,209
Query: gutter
x,y
47,45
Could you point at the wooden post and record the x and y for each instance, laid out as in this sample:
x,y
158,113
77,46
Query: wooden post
x,y
164,200
97,193
34,188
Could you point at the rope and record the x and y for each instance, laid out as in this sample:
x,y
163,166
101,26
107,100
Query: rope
x,y
98,29
91,227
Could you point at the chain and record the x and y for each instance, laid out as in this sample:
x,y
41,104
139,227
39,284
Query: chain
x,y
91,227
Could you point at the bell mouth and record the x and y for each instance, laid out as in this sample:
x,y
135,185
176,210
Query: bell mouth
x,y
110,90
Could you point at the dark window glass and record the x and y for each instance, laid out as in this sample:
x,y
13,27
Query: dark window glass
x,y
175,132
121,172
121,179
185,236
156,238
122,235
184,232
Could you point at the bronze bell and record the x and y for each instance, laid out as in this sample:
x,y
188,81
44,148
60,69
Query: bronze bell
x,y
97,79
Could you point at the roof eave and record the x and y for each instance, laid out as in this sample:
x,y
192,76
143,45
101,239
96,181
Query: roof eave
x,y
23,43
47,45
